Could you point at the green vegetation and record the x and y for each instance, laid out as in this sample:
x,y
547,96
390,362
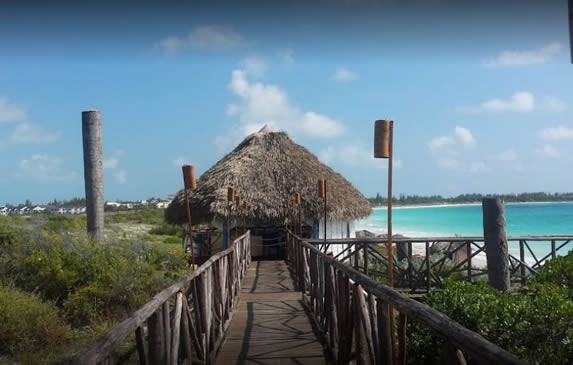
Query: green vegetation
x,y
59,290
470,198
140,216
533,323
30,324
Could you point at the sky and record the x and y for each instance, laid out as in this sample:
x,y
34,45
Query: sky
x,y
480,92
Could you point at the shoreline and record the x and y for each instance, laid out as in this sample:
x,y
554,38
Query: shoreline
x,y
446,205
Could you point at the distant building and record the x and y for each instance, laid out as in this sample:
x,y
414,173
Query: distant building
x,y
38,209
162,204
4,210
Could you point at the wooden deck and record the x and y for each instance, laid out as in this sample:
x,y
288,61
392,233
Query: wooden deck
x,y
270,325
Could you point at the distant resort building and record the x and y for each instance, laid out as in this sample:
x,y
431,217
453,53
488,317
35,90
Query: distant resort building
x,y
266,170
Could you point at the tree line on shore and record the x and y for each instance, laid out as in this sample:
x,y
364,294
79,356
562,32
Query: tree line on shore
x,y
404,199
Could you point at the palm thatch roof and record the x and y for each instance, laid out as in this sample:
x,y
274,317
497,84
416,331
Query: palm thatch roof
x,y
266,170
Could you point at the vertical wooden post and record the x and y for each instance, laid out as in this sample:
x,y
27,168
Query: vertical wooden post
x,y
93,173
189,183
469,256
571,28
522,258
495,243
383,146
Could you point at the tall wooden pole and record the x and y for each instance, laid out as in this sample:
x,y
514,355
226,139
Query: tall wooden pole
x,y
93,173
571,29
189,184
390,253
495,243
383,146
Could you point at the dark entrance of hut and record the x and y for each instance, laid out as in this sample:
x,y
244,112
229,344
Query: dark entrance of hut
x,y
268,243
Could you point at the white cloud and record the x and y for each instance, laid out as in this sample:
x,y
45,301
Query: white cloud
x,y
343,74
526,57
440,142
254,66
206,37
508,155
10,112
268,104
551,151
519,102
120,177
286,55
26,133
479,167
111,163
446,149
557,133
42,167
464,136
354,154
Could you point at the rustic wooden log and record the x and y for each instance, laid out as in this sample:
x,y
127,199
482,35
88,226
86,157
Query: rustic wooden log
x,y
402,339
208,305
384,330
186,336
176,330
495,243
156,338
359,354
167,331
193,332
365,322
141,346
374,328
93,173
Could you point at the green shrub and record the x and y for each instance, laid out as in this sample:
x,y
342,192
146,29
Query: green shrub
x,y
558,271
167,230
28,324
534,323
64,223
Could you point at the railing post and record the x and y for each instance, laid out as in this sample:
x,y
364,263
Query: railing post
x,y
553,253
469,258
495,243
365,251
428,267
522,259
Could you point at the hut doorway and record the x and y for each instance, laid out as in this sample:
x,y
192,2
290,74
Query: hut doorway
x,y
268,243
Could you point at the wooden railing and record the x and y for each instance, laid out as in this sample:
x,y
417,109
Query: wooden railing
x,y
440,258
186,321
365,321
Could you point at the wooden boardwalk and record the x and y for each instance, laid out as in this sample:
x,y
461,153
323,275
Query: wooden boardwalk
x,y
270,325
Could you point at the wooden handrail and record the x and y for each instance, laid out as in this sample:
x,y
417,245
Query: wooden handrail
x,y
230,266
371,240
347,313
462,251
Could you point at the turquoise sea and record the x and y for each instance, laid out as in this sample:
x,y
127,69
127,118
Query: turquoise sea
x,y
522,219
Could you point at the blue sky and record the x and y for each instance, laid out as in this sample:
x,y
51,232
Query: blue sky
x,y
480,93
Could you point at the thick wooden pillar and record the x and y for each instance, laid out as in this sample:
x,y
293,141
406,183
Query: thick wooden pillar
x,y
93,173
495,243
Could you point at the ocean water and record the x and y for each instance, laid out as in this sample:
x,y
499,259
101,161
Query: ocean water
x,y
522,219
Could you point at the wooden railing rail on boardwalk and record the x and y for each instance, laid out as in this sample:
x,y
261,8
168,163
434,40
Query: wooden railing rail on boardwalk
x,y
458,256
185,321
353,312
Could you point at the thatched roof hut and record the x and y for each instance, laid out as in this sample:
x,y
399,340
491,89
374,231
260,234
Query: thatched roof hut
x,y
266,170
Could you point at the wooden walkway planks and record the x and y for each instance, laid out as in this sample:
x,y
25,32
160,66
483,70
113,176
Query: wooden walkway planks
x,y
270,326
